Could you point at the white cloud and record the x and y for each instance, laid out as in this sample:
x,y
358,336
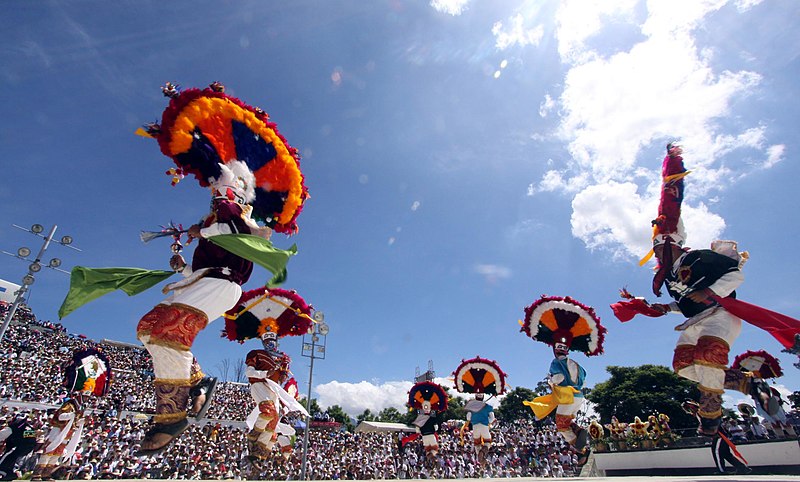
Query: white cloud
x,y
547,105
578,20
354,398
745,5
516,33
451,7
492,272
615,217
774,155
615,106
553,180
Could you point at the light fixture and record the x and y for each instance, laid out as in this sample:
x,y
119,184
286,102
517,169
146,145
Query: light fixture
x,y
35,267
37,228
66,240
319,316
324,328
23,252
28,279
55,263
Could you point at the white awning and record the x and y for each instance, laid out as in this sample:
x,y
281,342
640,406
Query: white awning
x,y
384,427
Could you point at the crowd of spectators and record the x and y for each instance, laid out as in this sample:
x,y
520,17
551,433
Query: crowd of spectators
x,y
217,451
30,376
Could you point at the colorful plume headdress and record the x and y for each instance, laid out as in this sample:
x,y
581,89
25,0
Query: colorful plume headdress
x,y
88,372
428,392
479,375
204,129
769,366
267,309
553,318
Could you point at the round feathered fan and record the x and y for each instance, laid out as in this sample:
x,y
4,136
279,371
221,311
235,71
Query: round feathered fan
x,y
88,372
267,309
479,375
766,365
553,317
201,129
428,392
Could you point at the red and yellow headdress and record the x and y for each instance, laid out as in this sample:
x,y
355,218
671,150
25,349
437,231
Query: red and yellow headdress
x,y
552,319
760,362
428,392
479,375
267,309
202,130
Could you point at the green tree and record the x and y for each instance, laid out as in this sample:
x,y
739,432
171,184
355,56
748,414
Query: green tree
x,y
542,388
314,406
455,409
337,413
366,415
390,414
511,407
641,391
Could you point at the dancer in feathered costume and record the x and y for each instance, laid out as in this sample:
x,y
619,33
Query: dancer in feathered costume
x,y
254,175
268,314
762,365
702,283
430,399
87,373
480,376
234,149
566,325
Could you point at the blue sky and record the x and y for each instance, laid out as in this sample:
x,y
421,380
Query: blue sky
x,y
463,158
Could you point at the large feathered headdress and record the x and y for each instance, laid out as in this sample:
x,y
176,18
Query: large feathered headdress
x,y
262,310
479,375
759,362
552,319
430,392
204,131
88,372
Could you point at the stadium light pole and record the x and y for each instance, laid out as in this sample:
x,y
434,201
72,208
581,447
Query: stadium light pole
x,y
34,267
318,335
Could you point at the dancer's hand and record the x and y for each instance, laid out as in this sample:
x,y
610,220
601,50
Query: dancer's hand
x,y
701,296
194,232
660,307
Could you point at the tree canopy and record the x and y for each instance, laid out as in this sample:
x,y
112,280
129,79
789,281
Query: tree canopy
x,y
337,413
642,391
511,407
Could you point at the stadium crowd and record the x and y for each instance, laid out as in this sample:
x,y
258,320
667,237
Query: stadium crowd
x,y
31,384
30,381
